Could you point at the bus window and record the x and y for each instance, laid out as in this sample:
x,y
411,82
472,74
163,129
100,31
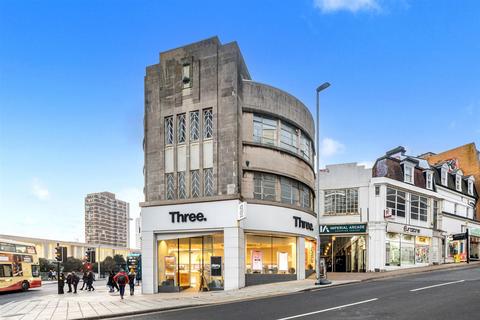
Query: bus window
x,y
8,247
21,248
35,270
17,269
5,270
31,250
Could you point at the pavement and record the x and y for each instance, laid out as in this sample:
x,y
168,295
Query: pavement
x,y
102,304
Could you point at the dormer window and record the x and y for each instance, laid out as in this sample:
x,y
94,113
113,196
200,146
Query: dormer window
x,y
444,176
458,182
429,180
408,173
470,187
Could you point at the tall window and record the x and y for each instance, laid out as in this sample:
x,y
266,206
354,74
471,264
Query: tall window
x,y
170,184
207,124
195,183
208,181
444,175
290,190
408,173
306,147
264,186
288,137
194,126
264,130
182,188
429,176
181,128
470,187
169,130
435,213
341,201
458,182
396,202
305,197
187,82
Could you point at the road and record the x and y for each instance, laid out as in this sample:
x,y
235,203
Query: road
x,y
46,289
451,294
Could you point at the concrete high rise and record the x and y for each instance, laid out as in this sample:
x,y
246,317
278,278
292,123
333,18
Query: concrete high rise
x,y
106,220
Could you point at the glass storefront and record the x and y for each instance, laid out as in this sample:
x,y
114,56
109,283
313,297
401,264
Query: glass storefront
x,y
310,254
270,254
344,253
195,262
457,250
474,247
405,249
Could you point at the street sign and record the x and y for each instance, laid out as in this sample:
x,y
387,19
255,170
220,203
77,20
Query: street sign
x,y
343,228
242,211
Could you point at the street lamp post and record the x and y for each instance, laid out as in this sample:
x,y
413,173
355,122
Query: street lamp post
x,y
320,279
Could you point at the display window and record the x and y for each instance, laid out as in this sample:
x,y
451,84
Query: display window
x,y
195,262
422,249
474,247
405,249
310,254
270,254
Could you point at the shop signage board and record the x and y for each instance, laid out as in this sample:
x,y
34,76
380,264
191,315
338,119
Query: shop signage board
x,y
216,266
459,236
474,232
408,229
343,228
178,217
242,211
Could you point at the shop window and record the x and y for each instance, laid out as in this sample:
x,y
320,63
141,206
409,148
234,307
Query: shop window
x,y
288,137
169,130
264,130
393,249
207,124
208,181
407,250
264,186
422,249
341,201
396,202
182,187
310,254
194,126
270,255
181,128
170,186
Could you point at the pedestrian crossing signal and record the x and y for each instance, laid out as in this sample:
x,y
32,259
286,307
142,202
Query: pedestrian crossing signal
x,y
61,254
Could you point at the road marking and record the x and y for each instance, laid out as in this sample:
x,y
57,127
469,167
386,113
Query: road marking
x,y
329,309
437,285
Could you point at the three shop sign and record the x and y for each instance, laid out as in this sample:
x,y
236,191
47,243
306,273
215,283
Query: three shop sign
x,y
185,217
343,228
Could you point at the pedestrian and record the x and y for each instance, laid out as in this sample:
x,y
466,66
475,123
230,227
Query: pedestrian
x,y
50,274
85,280
75,281
90,279
54,275
131,282
69,282
121,278
110,282
61,282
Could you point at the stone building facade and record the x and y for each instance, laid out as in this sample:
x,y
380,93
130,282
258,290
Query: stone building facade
x,y
229,179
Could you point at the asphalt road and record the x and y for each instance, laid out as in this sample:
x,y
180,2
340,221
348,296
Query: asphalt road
x,y
46,289
451,294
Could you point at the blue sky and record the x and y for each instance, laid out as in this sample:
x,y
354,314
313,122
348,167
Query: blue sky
x,y
71,86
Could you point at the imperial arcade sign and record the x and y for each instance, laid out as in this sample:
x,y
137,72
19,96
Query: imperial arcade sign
x,y
343,228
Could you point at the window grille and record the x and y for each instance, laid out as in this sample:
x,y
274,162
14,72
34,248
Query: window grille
x,y
207,124
194,126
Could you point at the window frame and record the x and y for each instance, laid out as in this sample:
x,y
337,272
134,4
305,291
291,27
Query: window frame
x,y
458,182
181,128
288,137
429,180
408,168
169,131
342,201
396,202
263,182
194,126
262,124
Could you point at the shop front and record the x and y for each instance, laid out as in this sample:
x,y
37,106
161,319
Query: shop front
x,y
209,246
407,246
344,247
474,234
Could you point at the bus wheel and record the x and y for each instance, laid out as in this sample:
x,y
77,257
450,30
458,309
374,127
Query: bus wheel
x,y
25,286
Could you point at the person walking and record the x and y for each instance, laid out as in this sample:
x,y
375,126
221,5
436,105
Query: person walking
x,y
69,282
54,275
110,282
49,275
121,278
90,279
75,281
131,282
85,280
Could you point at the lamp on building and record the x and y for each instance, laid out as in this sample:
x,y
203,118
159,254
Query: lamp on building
x,y
320,280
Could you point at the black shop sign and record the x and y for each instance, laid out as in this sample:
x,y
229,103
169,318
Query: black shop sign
x,y
178,217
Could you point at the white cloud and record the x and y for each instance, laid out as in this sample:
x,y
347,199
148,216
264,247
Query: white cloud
x,y
329,6
39,190
330,147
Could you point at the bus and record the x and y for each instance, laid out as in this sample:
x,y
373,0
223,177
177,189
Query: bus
x,y
19,268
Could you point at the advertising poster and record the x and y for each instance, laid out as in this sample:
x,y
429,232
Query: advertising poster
x,y
216,266
257,260
283,261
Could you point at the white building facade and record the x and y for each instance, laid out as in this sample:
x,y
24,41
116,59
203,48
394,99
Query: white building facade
x,y
395,215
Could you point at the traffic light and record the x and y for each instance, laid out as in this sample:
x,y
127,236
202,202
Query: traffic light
x,y
90,255
61,254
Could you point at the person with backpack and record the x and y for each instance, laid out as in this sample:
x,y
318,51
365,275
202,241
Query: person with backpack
x,y
121,278
131,282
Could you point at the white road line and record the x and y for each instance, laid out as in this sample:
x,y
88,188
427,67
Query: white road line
x,y
329,309
437,285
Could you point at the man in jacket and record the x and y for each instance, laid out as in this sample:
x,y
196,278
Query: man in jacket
x,y
121,278
69,282
75,281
